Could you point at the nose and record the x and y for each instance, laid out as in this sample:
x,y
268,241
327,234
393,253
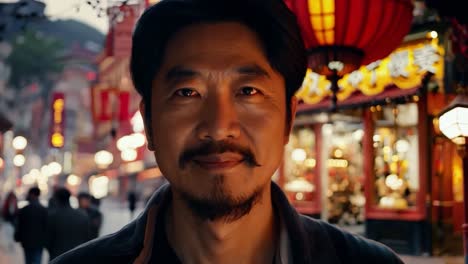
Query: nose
x,y
219,120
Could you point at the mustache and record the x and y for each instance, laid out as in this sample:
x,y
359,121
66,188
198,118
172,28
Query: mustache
x,y
218,147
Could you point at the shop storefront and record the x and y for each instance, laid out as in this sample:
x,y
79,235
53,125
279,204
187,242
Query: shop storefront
x,y
115,103
368,165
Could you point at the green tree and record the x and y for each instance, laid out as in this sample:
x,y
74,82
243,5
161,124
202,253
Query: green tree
x,y
34,58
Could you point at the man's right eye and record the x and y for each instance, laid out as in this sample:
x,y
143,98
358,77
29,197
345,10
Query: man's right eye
x,y
186,92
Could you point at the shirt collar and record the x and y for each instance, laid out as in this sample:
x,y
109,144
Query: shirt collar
x,y
283,252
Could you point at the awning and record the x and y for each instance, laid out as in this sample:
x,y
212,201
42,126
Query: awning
x,y
358,99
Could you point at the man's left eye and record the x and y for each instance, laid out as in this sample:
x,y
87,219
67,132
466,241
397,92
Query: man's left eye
x,y
248,91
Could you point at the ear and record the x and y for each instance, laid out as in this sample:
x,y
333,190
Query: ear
x,y
289,126
147,125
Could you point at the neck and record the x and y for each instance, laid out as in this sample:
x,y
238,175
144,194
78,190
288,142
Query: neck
x,y
249,239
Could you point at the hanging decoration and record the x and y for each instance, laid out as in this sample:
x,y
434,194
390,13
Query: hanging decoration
x,y
342,35
116,10
403,69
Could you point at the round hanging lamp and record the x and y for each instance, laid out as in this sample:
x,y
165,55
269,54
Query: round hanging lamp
x,y
342,35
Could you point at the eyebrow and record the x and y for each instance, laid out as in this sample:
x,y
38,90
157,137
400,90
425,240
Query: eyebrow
x,y
182,72
253,70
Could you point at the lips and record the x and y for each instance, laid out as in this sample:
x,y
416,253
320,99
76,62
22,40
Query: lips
x,y
219,161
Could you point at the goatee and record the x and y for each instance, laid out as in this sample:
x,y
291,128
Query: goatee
x,y
220,205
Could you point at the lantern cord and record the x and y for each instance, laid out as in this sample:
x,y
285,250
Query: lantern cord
x,y
334,89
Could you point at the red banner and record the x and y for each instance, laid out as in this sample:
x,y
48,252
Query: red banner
x,y
57,124
105,110
110,104
124,102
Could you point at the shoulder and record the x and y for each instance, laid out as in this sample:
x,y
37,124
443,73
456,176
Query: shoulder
x,y
78,213
95,211
38,206
350,248
113,248
88,253
24,209
36,209
120,247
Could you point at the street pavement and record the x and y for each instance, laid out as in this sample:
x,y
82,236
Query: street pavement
x,y
116,215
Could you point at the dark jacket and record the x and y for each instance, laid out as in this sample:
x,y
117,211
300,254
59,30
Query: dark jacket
x,y
95,221
31,225
310,240
66,228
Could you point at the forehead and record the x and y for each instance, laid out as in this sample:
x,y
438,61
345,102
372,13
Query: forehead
x,y
215,44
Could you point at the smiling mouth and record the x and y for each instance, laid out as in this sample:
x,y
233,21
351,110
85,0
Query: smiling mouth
x,y
217,163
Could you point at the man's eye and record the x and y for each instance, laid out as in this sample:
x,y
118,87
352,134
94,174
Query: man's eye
x,y
186,92
248,91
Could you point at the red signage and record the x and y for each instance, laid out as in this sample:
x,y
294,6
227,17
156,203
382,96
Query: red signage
x,y
57,124
110,104
124,19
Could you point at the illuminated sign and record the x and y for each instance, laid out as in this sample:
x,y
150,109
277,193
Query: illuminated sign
x,y
404,68
57,127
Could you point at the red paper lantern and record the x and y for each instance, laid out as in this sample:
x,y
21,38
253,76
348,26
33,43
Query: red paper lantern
x,y
342,35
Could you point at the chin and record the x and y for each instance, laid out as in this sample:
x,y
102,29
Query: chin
x,y
222,203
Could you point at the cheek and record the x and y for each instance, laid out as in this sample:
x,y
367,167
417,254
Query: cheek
x,y
169,135
266,131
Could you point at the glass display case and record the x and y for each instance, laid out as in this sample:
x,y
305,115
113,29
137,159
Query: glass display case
x,y
300,170
397,169
345,193
396,156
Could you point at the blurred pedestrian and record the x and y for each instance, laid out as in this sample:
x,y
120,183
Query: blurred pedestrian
x,y
66,227
95,202
9,215
10,208
51,204
132,199
95,216
31,227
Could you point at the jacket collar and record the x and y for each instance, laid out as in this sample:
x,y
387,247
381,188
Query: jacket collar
x,y
154,206
299,241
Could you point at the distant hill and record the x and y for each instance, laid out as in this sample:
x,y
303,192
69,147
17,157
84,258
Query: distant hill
x,y
70,32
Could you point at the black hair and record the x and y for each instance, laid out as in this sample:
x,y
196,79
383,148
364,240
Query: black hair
x,y
84,195
34,191
62,196
272,21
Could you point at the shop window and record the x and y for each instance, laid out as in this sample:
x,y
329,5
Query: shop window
x,y
396,156
345,193
300,166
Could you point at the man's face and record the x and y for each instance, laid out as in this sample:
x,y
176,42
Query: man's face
x,y
218,109
84,202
